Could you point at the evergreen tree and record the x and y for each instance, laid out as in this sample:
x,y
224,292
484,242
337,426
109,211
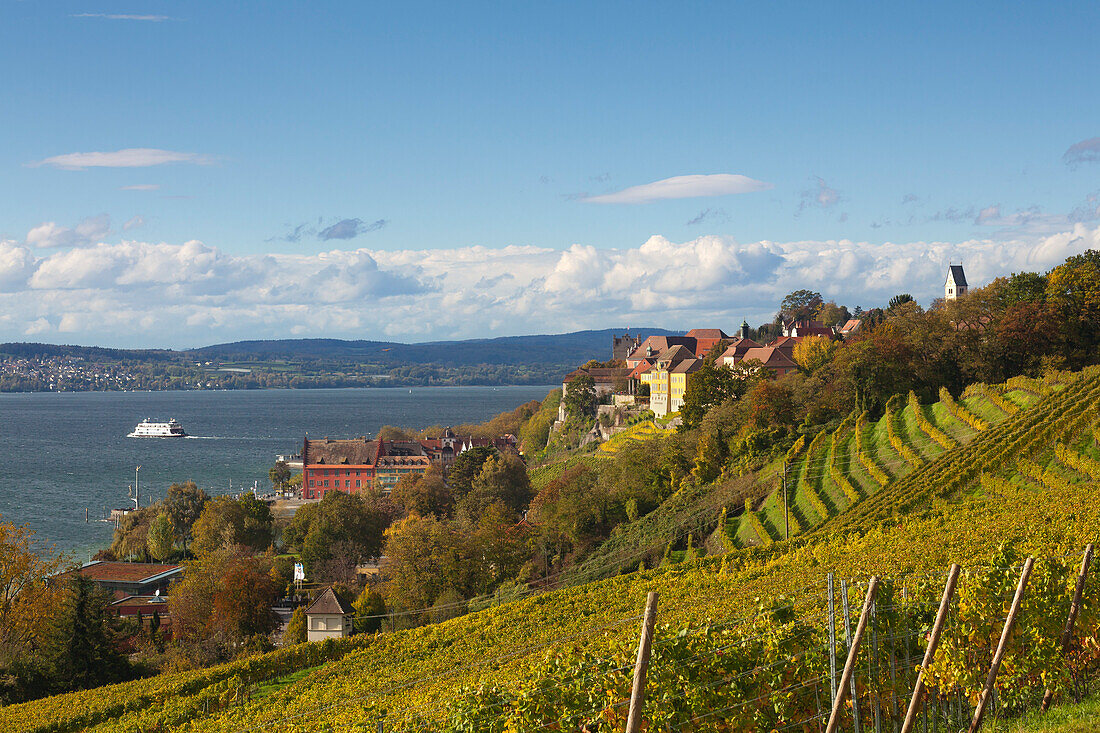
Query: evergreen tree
x,y
82,647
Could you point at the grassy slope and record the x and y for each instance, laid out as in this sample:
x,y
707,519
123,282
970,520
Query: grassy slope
x,y
443,657
1083,717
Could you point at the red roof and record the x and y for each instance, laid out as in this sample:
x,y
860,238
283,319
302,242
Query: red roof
x,y
125,572
707,333
771,357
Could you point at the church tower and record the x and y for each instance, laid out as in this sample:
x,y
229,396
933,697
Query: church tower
x,y
956,283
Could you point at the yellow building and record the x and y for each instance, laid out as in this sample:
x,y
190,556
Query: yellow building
x,y
667,379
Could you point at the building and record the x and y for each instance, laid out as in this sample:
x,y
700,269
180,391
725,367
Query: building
x,y
699,341
805,328
360,464
125,579
667,379
328,618
850,327
149,611
621,346
338,465
736,350
771,357
955,284
706,339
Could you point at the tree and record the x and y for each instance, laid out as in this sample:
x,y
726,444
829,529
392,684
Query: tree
x,y
813,352
503,480
227,521
296,628
369,608
81,650
26,599
899,300
279,475
800,305
707,386
131,534
580,397
184,504
317,530
425,559
224,599
161,539
425,493
832,314
467,465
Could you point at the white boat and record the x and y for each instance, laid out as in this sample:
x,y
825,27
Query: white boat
x,y
148,428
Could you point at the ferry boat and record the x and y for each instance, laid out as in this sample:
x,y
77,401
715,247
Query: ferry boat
x,y
148,428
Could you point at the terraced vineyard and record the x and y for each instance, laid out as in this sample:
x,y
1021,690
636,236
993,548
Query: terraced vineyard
x,y
1030,478
863,459
634,434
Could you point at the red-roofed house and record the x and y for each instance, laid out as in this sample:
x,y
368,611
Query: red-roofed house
x,y
771,357
806,328
706,339
736,350
125,579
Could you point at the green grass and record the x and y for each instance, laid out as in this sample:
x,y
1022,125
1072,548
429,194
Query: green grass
x,y
1082,717
274,685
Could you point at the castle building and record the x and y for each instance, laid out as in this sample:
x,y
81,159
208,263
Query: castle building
x,y
956,283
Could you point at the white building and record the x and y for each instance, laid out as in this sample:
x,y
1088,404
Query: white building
x,y
327,618
956,283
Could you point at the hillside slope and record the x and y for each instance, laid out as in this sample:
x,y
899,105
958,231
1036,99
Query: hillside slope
x,y
1030,481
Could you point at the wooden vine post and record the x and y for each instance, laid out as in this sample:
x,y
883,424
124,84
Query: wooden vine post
x,y
853,652
1074,608
930,653
641,664
1002,647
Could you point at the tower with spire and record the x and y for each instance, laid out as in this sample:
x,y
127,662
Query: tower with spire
x,y
956,282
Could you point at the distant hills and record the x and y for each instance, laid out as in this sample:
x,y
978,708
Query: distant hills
x,y
566,348
305,363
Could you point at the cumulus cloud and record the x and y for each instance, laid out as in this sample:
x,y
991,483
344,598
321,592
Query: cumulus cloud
x,y
49,234
681,187
126,158
1086,151
132,293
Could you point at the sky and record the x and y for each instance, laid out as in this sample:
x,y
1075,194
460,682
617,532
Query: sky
x,y
174,174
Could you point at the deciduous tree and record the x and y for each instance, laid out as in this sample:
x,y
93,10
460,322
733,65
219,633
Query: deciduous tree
x,y
161,539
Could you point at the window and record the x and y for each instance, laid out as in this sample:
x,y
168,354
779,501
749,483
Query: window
x,y
358,483
312,482
326,482
347,484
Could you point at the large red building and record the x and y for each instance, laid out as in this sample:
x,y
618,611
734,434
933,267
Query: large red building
x,y
360,464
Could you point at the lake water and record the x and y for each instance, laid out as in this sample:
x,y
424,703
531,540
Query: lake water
x,y
63,452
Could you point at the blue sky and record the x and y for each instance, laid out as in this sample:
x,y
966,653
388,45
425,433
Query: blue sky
x,y
393,152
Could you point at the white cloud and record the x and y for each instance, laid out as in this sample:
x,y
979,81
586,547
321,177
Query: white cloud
x,y
134,223
49,234
126,158
134,293
682,187
141,187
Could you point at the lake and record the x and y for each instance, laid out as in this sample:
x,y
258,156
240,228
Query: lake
x,y
64,452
